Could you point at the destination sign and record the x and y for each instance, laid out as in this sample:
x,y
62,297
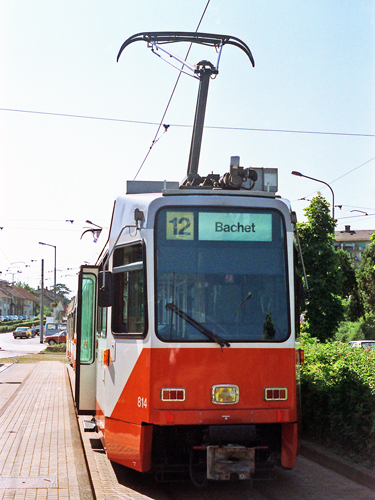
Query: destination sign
x,y
234,226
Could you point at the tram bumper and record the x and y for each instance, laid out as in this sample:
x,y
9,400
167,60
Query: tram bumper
x,y
230,462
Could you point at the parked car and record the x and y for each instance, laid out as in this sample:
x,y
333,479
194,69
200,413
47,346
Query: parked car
x,y
56,338
53,327
362,343
22,332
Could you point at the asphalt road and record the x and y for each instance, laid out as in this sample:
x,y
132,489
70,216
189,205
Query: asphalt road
x,y
19,347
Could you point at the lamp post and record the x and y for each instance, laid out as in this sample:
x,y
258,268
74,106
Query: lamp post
x,y
318,180
54,269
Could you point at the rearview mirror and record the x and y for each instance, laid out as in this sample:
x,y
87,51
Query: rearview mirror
x,y
105,290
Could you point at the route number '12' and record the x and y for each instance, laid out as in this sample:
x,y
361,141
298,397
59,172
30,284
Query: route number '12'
x,y
180,225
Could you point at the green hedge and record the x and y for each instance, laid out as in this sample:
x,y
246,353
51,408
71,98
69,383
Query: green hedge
x,y
338,397
364,329
10,326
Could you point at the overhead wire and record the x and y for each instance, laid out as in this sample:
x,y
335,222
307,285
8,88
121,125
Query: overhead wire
x,y
181,125
354,216
341,176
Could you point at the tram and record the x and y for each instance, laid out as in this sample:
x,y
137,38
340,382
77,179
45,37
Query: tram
x,y
182,334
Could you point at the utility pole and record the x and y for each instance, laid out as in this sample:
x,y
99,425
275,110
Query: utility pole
x,y
54,268
41,305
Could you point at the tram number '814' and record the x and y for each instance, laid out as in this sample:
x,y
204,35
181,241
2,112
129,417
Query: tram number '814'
x,y
142,402
180,225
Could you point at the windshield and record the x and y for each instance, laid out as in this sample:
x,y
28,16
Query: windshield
x,y
226,269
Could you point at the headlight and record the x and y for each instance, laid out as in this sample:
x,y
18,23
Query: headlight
x,y
225,394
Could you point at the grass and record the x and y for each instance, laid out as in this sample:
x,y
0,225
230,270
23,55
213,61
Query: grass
x,y
53,353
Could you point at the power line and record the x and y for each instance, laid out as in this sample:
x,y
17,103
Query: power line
x,y
181,125
354,206
354,216
350,171
86,117
341,176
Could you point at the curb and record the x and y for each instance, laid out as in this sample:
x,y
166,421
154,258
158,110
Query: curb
x,y
343,466
4,366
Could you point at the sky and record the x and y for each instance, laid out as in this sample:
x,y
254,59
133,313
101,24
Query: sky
x,y
75,124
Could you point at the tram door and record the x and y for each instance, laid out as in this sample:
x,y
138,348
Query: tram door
x,y
85,383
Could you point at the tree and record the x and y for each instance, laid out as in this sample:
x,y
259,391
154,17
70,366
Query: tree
x,y
366,278
324,309
349,286
62,290
346,269
28,288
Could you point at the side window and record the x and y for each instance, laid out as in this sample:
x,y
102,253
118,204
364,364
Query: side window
x,y
298,295
128,312
88,318
102,322
101,327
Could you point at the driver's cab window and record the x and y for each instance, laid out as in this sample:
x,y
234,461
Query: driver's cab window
x,y
129,305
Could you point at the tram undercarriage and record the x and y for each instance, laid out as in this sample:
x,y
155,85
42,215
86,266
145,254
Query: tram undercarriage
x,y
217,452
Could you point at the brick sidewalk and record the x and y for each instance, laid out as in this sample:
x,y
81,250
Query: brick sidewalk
x,y
41,454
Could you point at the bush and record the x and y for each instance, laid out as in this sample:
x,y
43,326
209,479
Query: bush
x,y
348,331
364,329
60,348
368,327
10,326
338,397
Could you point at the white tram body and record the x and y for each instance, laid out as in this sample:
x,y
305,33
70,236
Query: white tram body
x,y
182,335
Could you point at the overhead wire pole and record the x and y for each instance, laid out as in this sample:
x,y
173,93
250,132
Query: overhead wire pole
x,y
41,304
171,97
201,71
54,268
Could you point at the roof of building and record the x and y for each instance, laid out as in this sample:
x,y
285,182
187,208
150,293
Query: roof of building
x,y
22,293
352,235
4,293
7,290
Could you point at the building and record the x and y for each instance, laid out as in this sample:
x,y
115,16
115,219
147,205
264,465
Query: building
x,y
15,300
5,302
354,242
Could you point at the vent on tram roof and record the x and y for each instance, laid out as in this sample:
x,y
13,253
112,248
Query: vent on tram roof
x,y
137,187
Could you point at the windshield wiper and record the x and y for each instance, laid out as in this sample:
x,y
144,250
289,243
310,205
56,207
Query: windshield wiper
x,y
210,335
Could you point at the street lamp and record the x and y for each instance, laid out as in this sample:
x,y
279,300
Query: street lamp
x,y
318,180
54,269
95,232
22,262
362,212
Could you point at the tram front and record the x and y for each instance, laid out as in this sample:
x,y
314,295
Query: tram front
x,y
223,380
